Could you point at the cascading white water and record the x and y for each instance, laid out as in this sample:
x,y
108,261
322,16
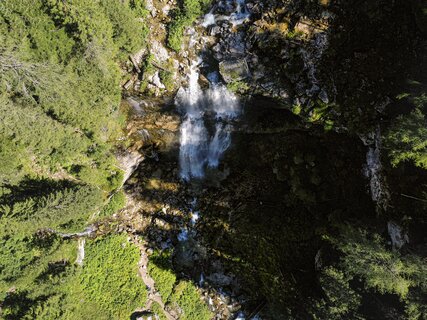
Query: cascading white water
x,y
198,149
239,16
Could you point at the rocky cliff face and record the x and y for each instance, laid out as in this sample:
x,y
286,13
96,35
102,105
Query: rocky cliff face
x,y
302,54
300,67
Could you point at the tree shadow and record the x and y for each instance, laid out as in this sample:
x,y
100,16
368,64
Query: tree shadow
x,y
29,188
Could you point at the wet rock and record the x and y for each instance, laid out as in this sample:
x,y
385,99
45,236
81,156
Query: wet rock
x,y
162,224
234,70
128,84
215,30
150,7
166,9
139,56
323,96
220,279
397,236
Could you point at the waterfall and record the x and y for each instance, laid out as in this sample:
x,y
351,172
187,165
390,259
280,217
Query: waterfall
x,y
237,17
241,13
198,148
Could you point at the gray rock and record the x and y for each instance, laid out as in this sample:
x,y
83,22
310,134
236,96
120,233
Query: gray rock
x,y
159,51
397,236
234,70
156,81
220,279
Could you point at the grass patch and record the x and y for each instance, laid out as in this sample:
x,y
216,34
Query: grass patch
x,y
110,276
186,296
167,79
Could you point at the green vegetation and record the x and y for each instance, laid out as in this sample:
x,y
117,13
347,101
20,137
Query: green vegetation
x,y
107,287
341,301
187,298
238,86
385,271
291,182
184,17
148,71
181,294
157,310
60,85
167,79
161,272
110,276
407,137
59,114
117,202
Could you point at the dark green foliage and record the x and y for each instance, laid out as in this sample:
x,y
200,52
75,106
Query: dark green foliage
x,y
61,80
382,270
107,287
59,118
116,202
407,137
63,210
341,301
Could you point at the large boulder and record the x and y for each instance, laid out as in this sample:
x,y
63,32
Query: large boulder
x,y
234,70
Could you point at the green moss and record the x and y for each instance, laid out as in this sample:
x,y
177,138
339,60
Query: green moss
x,y
167,79
157,310
238,86
181,294
296,109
